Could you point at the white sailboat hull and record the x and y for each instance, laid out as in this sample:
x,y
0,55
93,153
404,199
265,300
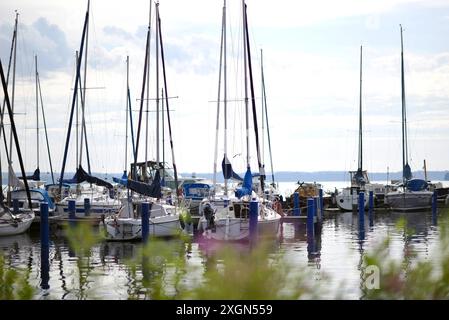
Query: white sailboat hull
x,y
347,201
236,229
9,228
123,229
409,200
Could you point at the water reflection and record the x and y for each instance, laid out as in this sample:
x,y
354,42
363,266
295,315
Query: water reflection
x,y
123,270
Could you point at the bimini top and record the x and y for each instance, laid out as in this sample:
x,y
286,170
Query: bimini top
x,y
416,185
36,194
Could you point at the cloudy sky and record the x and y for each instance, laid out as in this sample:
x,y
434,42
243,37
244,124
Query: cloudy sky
x,y
311,64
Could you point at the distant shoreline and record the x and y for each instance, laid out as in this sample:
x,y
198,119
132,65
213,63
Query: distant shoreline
x,y
282,176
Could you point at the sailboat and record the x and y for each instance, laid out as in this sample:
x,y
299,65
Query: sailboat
x,y
98,191
347,199
227,219
164,217
12,223
414,194
38,193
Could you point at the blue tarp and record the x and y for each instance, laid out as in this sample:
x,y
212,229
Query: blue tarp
x,y
246,186
416,185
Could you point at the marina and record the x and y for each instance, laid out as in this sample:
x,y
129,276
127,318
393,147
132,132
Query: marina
x,y
96,201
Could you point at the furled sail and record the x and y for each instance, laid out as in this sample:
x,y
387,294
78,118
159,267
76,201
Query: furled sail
x,y
228,172
81,176
247,185
36,175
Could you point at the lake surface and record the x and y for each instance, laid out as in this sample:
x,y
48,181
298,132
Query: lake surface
x,y
333,261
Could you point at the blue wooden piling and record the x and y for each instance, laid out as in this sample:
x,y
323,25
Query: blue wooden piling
x,y
361,210
296,206
72,212
86,207
315,206
45,246
310,218
44,224
434,206
371,208
253,220
145,221
320,193
15,206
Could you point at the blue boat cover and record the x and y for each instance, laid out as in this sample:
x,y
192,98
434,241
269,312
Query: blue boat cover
x,y
407,172
81,176
247,185
228,172
151,190
123,180
416,185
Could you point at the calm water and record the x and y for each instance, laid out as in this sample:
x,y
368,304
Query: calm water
x,y
333,261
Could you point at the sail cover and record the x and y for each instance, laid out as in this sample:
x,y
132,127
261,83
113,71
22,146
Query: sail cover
x,y
228,172
247,186
151,190
81,176
123,180
407,173
36,175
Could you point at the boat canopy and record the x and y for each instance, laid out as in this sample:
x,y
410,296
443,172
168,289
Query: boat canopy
x,y
196,191
81,176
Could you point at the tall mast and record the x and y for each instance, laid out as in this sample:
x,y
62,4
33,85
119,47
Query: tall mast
x,y
148,93
14,133
254,110
13,95
45,129
406,172
175,171
157,85
262,149
142,96
163,137
37,114
360,164
217,126
264,95
246,83
126,111
77,122
225,93
75,92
